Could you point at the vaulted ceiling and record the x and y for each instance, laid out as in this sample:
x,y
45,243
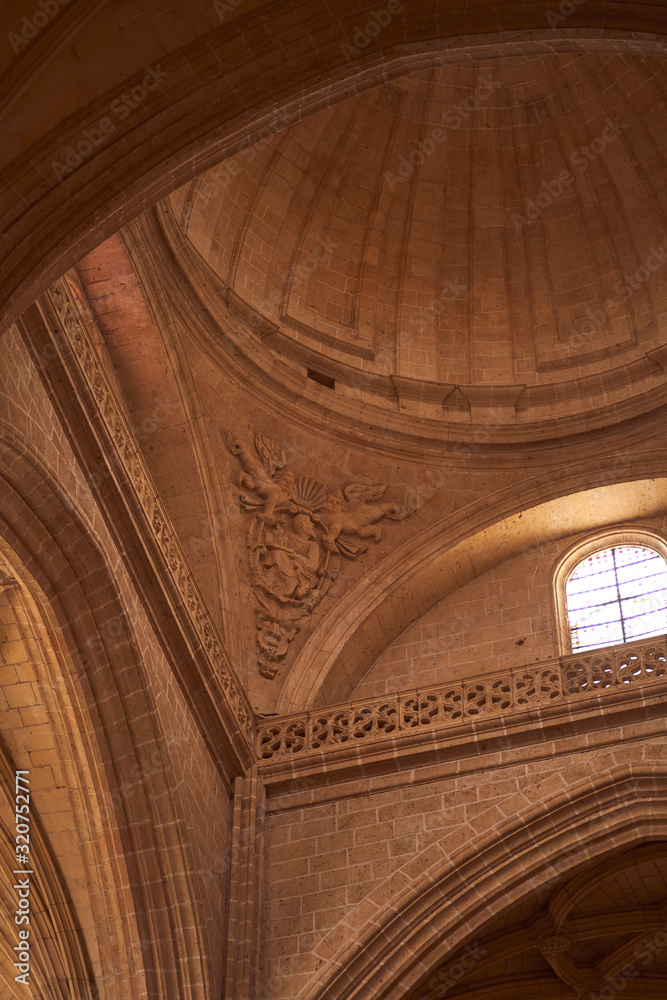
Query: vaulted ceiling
x,y
433,291
601,932
378,323
478,225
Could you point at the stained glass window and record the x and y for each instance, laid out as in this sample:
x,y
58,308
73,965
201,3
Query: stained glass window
x,y
617,595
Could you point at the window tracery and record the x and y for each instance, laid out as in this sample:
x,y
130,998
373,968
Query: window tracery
x,y
612,589
617,595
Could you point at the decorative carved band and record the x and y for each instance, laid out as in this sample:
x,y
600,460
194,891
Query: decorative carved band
x,y
130,458
547,683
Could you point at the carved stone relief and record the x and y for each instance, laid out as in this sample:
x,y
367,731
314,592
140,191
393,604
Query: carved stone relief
x,y
297,535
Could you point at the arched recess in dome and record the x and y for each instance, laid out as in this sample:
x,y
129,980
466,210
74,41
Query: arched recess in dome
x,y
395,940
433,565
209,105
98,701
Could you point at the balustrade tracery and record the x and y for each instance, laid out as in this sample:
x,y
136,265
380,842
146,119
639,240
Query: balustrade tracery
x,y
559,681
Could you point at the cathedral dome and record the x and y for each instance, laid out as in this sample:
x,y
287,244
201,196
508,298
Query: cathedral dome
x,y
477,241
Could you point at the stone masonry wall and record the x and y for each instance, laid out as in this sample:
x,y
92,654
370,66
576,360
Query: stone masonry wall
x,y
503,619
337,868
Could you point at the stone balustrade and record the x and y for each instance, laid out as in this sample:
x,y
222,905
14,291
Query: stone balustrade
x,y
552,682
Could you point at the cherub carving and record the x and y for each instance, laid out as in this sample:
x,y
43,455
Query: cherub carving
x,y
270,481
359,517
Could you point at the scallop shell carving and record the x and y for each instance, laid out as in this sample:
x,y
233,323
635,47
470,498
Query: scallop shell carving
x,y
309,493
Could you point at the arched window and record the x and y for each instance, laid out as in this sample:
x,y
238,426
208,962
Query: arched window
x,y
615,595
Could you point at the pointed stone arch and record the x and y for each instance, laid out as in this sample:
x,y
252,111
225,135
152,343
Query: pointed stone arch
x,y
59,962
395,935
94,678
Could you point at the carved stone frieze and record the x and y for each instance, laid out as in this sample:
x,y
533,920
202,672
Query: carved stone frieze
x,y
63,297
299,531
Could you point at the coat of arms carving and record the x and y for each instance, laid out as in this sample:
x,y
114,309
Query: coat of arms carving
x,y
298,533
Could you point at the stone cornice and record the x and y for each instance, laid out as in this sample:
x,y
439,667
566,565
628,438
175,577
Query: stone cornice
x,y
198,656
